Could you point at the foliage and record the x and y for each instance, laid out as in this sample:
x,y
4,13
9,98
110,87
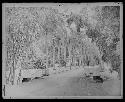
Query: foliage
x,y
106,33
44,29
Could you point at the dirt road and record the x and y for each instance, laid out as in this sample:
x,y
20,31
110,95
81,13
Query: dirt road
x,y
70,83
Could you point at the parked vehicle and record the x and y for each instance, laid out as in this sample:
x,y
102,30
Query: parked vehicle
x,y
98,79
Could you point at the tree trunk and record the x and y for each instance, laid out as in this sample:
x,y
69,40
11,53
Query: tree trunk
x,y
17,78
54,57
70,57
101,65
60,56
12,70
65,54
46,70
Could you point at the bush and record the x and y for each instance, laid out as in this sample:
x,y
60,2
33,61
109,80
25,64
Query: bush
x,y
115,61
63,63
39,64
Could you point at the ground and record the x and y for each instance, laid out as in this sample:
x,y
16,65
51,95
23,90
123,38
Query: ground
x,y
69,83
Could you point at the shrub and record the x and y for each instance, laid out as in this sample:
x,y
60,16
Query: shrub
x,y
116,61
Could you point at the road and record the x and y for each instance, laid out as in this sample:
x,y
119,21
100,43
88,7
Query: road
x,y
70,83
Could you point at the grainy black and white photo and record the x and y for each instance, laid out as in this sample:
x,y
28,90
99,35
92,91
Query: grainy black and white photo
x,y
62,50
